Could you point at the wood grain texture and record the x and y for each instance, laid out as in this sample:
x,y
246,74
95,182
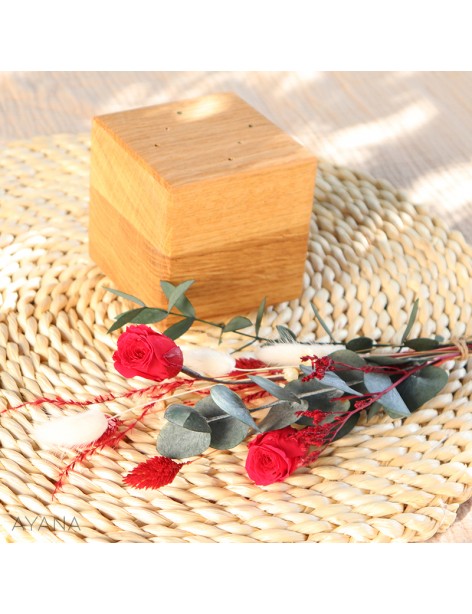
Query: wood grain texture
x,y
414,129
205,189
202,139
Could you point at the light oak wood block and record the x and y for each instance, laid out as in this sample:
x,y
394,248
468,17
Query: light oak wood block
x,y
205,189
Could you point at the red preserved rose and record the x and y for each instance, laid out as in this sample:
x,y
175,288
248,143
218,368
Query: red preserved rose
x,y
146,353
273,456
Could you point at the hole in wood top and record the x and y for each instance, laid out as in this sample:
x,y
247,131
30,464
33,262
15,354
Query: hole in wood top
x,y
196,135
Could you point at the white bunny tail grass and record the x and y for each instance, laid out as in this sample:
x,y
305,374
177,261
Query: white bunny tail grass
x,y
289,354
206,361
72,431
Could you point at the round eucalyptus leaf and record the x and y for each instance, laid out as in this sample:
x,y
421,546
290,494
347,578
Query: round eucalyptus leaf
x,y
175,441
392,401
350,376
226,432
324,404
317,396
421,387
281,415
188,417
388,360
232,404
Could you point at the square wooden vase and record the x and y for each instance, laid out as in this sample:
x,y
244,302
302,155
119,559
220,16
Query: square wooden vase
x,y
205,189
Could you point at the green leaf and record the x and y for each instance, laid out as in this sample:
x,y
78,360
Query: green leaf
x,y
281,415
389,360
360,344
373,410
229,402
117,317
331,380
150,315
392,401
260,313
317,396
175,441
182,304
178,292
422,343
330,405
226,431
421,387
326,404
125,318
286,335
141,315
350,376
188,417
273,389
347,426
322,322
411,321
236,324
299,387
128,297
179,328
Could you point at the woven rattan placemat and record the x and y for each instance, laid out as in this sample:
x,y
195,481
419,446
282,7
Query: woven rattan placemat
x,y
371,254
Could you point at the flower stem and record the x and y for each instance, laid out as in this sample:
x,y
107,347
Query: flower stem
x,y
199,376
221,327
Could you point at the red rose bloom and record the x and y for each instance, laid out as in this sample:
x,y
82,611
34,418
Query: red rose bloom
x,y
144,352
273,456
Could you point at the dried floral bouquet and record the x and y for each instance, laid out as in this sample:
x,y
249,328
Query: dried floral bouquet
x,y
292,400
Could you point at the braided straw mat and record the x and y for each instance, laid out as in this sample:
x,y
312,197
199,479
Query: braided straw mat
x,y
371,253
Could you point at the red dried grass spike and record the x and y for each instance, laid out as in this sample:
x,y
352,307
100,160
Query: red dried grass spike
x,y
154,391
253,396
248,364
153,473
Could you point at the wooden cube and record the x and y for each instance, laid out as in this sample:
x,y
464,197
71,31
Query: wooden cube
x,y
205,189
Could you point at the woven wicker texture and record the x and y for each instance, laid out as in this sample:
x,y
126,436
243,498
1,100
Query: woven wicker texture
x,y
371,254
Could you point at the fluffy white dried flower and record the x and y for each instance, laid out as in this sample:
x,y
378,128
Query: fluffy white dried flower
x,y
206,361
289,354
72,431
